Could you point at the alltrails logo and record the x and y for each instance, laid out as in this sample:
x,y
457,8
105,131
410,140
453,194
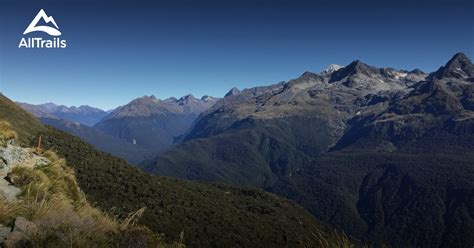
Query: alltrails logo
x,y
38,42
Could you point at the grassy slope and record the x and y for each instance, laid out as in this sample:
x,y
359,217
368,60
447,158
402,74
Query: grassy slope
x,y
52,200
24,123
208,215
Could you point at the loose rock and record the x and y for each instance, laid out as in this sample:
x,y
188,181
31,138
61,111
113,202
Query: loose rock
x,y
4,231
24,226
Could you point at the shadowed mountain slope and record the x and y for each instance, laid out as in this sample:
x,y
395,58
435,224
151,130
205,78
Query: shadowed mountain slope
x,y
151,123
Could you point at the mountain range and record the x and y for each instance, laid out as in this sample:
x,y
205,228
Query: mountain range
x,y
149,122
385,155
193,214
84,114
284,123
140,129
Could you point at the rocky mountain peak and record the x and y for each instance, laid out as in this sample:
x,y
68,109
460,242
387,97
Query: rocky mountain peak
x,y
356,67
232,92
308,74
151,106
207,98
84,114
171,99
459,58
460,66
87,109
49,106
189,96
331,68
417,72
186,99
143,100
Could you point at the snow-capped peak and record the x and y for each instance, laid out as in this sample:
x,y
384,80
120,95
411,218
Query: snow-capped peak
x,y
331,68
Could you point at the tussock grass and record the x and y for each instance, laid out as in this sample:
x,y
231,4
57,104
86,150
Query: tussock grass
x,y
6,132
52,199
337,240
9,210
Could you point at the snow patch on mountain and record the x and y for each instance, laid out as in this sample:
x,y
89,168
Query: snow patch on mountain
x,y
331,68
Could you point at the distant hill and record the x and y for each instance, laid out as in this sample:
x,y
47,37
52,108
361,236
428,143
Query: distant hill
x,y
151,123
83,114
136,131
384,154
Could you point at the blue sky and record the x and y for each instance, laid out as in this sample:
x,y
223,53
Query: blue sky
x,y
120,50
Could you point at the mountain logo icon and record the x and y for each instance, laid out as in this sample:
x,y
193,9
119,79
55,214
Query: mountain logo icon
x,y
47,29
